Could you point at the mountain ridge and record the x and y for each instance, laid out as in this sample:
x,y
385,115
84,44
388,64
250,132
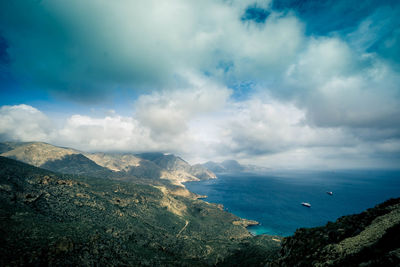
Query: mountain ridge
x,y
122,166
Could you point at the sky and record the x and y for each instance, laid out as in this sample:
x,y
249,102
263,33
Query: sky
x,y
278,83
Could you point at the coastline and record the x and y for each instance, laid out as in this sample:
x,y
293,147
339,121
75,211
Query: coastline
x,y
246,223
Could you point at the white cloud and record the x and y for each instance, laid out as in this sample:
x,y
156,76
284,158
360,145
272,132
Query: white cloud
x,y
259,130
339,87
24,123
322,60
106,133
264,127
168,113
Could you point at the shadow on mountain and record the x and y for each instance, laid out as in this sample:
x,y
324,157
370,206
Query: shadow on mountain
x,y
77,164
146,169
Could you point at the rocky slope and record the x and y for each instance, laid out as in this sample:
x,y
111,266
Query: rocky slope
x,y
371,238
112,165
113,161
7,146
176,169
37,153
77,164
68,220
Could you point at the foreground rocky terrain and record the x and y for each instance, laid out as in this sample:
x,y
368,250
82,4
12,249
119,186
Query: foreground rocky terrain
x,y
58,219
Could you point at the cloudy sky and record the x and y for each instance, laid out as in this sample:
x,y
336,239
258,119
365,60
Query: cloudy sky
x,y
283,84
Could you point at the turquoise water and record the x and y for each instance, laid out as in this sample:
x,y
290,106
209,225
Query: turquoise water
x,y
274,199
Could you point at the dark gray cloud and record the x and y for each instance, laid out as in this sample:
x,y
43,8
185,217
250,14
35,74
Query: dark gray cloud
x,y
73,49
83,49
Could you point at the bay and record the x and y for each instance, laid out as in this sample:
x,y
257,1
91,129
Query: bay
x,y
274,199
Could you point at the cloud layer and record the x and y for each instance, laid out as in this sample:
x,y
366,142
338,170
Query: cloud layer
x,y
258,130
84,49
261,81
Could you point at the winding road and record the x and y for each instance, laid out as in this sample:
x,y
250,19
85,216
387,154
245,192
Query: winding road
x,y
184,227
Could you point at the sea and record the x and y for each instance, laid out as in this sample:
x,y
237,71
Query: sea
x,y
274,198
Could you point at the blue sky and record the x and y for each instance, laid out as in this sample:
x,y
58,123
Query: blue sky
x,y
285,84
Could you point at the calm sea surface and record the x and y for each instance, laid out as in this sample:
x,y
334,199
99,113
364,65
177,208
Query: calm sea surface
x,y
274,199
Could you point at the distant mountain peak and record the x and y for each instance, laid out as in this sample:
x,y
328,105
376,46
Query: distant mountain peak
x,y
231,165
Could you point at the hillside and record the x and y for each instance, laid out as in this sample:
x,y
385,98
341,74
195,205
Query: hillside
x,y
176,169
113,161
371,238
37,153
77,164
57,219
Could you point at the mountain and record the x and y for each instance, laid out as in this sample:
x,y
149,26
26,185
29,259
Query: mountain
x,y
177,169
111,165
68,220
7,146
114,161
202,172
77,164
128,166
232,166
37,153
215,167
